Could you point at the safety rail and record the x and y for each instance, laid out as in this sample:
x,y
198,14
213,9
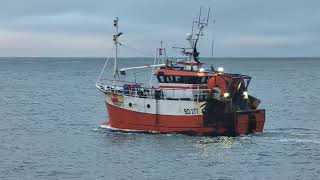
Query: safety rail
x,y
138,90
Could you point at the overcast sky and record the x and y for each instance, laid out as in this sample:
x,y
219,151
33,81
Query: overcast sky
x,y
245,28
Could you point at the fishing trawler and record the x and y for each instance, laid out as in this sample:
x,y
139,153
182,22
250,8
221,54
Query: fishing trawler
x,y
187,98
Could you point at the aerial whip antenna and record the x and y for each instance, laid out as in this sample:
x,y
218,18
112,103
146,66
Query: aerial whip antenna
x,y
208,15
213,23
199,17
213,36
212,44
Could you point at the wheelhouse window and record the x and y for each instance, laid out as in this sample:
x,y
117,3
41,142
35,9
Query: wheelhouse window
x,y
183,79
170,79
177,79
161,79
204,79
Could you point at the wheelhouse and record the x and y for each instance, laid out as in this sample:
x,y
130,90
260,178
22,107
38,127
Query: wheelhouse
x,y
189,73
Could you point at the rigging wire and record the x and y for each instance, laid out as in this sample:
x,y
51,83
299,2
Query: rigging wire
x,y
104,67
138,72
107,60
154,62
135,49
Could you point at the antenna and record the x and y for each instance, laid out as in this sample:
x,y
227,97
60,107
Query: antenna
x,y
199,17
192,27
208,17
212,44
213,33
202,23
211,6
196,32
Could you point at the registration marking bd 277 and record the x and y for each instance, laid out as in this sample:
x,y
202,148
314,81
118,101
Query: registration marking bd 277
x,y
118,103
191,111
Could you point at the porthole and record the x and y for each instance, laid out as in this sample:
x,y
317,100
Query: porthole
x,y
148,106
130,104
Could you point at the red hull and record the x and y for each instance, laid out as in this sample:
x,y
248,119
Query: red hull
x,y
123,119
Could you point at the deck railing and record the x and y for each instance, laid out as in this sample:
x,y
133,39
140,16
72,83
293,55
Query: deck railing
x,y
194,93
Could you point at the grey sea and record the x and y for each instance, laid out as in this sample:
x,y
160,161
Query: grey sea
x,y
50,113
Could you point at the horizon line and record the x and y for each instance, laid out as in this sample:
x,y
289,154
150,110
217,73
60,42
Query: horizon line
x,y
153,57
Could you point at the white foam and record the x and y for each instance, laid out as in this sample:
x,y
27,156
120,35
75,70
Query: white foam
x,y
126,130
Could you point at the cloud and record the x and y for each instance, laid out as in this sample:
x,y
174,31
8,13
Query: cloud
x,y
255,41
268,28
52,44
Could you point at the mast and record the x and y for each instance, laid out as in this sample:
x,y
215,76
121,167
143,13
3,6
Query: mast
x,y
162,51
116,42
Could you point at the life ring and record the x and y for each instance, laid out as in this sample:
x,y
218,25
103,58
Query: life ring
x,y
220,81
